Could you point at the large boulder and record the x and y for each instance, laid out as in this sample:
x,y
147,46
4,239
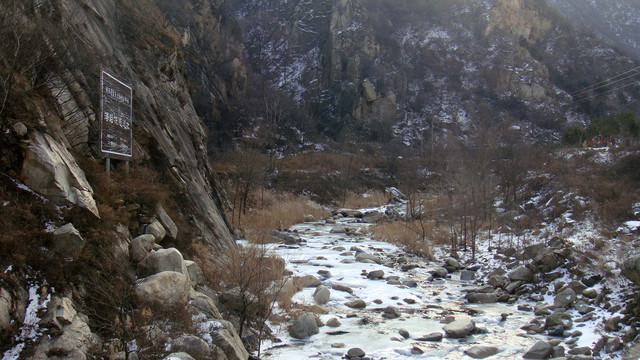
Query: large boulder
x,y
162,260
565,298
481,352
364,257
49,169
481,298
541,350
141,246
195,273
192,345
459,328
521,273
305,326
73,340
156,229
226,338
167,288
321,295
631,269
204,304
67,241
167,222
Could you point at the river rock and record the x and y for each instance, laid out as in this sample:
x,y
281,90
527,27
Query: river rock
x,y
541,350
459,328
434,336
439,272
376,274
451,262
67,241
404,333
559,318
481,352
521,273
340,287
391,312
333,322
565,298
305,326
356,304
466,275
354,353
481,298
364,257
321,295
306,281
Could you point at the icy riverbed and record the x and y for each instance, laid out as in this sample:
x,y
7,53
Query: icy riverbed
x,y
422,301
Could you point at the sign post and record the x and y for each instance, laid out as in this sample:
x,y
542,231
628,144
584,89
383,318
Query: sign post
x,y
116,121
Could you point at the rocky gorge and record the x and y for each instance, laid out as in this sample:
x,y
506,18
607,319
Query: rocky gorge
x,y
372,300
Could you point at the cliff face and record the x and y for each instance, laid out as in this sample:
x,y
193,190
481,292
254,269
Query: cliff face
x,y
399,68
137,41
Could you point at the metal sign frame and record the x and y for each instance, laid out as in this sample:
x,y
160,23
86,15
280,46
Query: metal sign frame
x,y
116,117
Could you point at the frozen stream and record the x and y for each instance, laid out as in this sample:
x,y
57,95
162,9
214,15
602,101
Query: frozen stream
x,y
422,306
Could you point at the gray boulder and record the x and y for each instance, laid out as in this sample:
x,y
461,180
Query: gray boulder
x,y
204,304
631,269
565,298
50,169
364,257
541,350
391,312
167,288
466,275
521,273
459,328
356,304
229,342
141,246
481,298
559,318
354,353
481,352
195,273
433,337
334,322
156,229
167,222
67,241
321,295
192,345
162,260
305,326
376,274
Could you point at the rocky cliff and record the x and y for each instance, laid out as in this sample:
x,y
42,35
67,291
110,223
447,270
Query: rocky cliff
x,y
392,70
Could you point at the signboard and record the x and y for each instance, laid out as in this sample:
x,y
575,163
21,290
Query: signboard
x,y
116,138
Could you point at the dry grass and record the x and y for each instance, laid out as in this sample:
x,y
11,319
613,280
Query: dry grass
x,y
275,210
368,199
412,236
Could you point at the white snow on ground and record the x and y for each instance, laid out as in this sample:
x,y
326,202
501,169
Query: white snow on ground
x,y
30,329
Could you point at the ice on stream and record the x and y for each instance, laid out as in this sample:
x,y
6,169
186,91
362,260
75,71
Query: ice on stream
x,y
422,307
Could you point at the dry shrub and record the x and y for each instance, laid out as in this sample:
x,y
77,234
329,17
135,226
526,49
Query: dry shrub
x,y
252,275
276,210
368,199
412,236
